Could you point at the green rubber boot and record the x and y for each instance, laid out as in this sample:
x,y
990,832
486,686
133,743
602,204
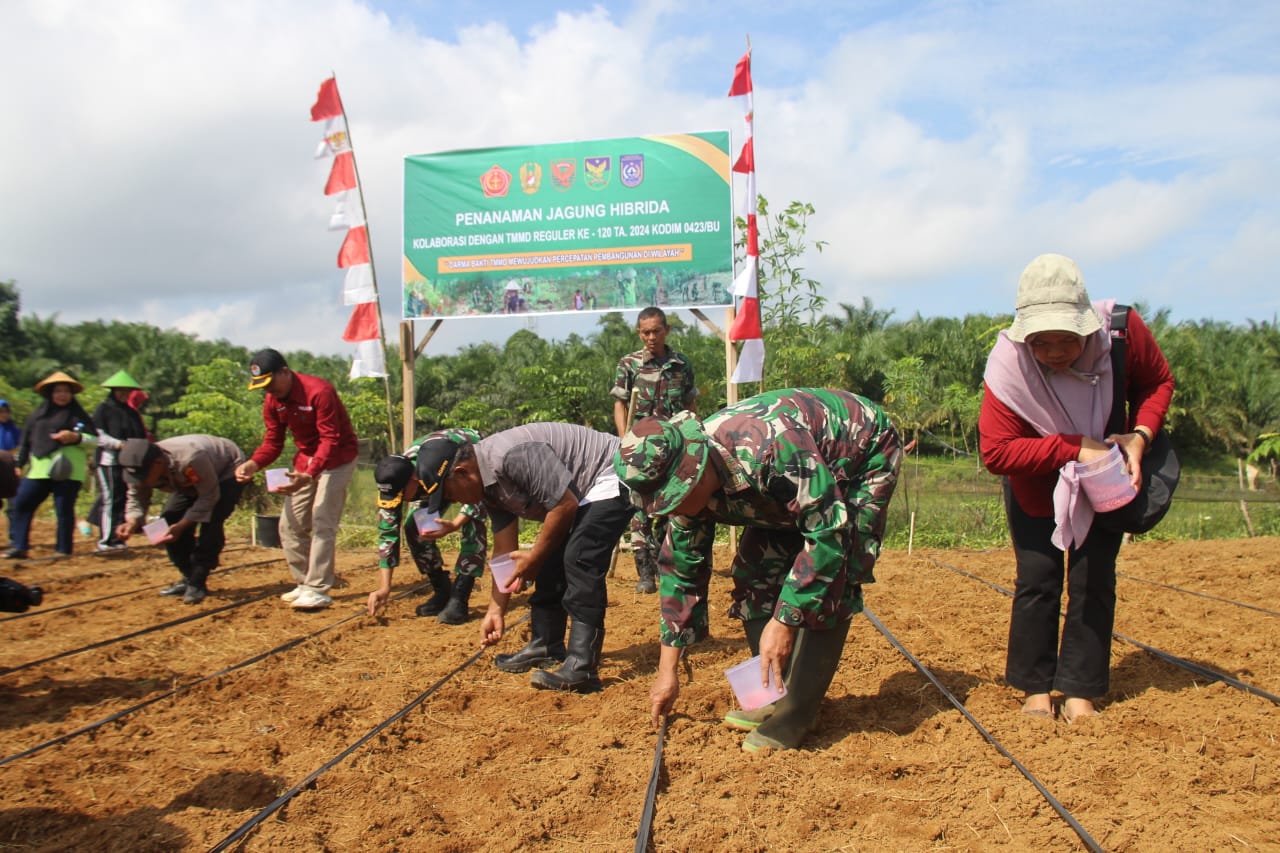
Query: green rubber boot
x,y
738,719
813,666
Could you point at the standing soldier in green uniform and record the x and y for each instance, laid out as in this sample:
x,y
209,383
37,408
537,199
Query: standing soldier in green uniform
x,y
809,473
400,493
663,381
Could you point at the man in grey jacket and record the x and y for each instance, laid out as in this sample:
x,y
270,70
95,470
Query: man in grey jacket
x,y
562,476
199,470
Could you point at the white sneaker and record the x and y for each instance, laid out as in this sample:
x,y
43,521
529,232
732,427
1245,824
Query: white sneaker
x,y
309,599
292,595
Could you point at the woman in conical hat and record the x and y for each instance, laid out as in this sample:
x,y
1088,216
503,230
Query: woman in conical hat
x,y
119,420
52,450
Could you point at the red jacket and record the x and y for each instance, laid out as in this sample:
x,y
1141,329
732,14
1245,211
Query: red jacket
x,y
1011,447
318,421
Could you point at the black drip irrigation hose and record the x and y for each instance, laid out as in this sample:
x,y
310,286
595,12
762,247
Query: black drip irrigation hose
x,y
148,551
651,793
288,795
1200,594
160,627
261,656
1168,657
42,611
1200,669
1058,807
203,614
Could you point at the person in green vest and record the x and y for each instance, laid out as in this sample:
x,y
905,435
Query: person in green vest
x,y
52,450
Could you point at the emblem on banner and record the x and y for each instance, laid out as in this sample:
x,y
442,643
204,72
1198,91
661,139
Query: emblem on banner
x,y
562,173
530,177
495,182
597,172
631,169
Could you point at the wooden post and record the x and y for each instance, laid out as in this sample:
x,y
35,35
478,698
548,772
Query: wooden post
x,y
408,359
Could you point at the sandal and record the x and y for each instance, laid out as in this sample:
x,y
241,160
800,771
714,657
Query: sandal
x,y
1071,718
1046,713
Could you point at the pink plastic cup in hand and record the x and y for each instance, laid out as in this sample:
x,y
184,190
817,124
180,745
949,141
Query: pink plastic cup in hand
x,y
156,530
744,678
503,568
277,479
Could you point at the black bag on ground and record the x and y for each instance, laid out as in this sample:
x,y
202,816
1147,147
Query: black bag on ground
x,y
1160,467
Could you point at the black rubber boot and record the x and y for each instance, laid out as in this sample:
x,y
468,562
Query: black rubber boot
x,y
738,719
813,665
646,570
441,592
546,643
580,671
455,612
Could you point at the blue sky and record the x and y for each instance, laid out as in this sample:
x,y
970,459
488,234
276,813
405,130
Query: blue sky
x,y
160,162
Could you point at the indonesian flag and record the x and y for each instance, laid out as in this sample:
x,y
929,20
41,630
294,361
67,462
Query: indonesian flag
x,y
358,286
363,325
360,290
355,248
369,361
746,323
342,175
328,104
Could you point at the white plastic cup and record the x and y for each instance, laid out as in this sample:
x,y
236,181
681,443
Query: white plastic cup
x,y
744,678
503,568
277,479
1105,481
156,530
426,520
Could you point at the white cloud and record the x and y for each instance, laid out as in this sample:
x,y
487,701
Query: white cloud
x,y
160,153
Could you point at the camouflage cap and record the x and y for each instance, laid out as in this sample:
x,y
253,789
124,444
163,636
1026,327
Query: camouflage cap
x,y
660,461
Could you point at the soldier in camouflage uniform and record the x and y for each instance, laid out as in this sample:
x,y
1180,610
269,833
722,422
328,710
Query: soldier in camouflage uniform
x,y
664,381
399,495
809,473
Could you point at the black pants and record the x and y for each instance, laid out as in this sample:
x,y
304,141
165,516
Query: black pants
x,y
573,577
197,550
1036,663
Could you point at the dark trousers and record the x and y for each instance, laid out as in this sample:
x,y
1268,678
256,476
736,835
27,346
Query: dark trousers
x,y
1036,663
573,577
197,550
31,493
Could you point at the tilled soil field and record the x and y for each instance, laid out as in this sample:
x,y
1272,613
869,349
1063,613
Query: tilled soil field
x,y
1176,761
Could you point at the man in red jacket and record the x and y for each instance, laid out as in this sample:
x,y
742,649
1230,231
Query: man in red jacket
x,y
309,408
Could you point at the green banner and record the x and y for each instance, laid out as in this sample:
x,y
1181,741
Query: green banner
x,y
603,225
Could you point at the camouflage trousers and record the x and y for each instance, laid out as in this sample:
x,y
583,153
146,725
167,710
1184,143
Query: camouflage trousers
x,y
646,538
765,558
426,554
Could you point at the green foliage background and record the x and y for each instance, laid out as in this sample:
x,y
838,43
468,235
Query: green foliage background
x,y
927,372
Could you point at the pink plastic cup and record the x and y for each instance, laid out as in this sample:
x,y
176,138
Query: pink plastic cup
x,y
156,530
426,520
277,479
1105,481
744,678
503,568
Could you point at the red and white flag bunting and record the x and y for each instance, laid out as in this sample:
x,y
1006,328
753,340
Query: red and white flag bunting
x,y
746,323
359,288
